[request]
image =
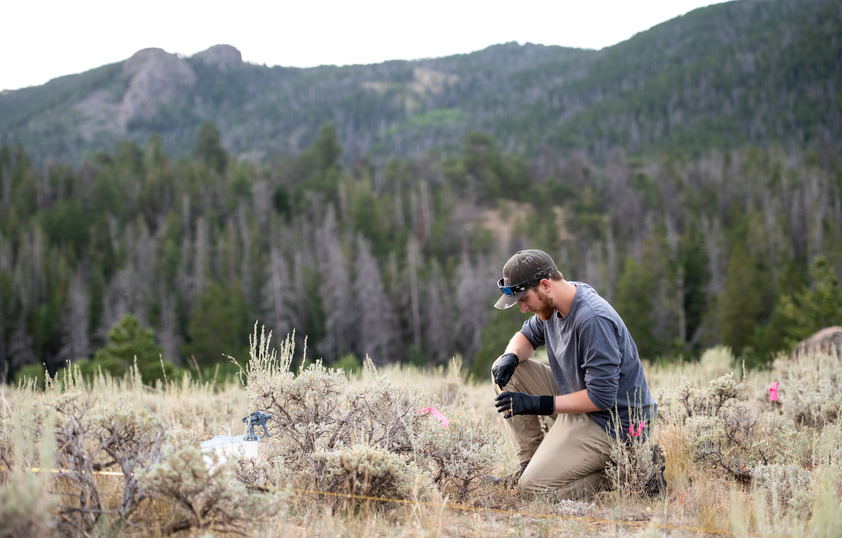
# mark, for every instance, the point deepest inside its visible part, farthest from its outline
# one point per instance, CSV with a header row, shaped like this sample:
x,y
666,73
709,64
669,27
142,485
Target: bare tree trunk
x,y
412,255
378,324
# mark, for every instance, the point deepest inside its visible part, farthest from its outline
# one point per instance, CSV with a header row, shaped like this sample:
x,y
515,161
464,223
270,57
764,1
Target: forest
x,y
135,256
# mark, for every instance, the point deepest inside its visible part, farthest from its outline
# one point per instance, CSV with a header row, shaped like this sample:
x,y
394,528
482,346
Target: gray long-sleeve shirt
x,y
591,348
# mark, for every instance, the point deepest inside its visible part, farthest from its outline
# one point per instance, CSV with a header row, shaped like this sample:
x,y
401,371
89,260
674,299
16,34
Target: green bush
x,y
349,364
35,373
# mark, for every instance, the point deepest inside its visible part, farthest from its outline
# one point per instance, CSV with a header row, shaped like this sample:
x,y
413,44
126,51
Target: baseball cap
x,y
523,270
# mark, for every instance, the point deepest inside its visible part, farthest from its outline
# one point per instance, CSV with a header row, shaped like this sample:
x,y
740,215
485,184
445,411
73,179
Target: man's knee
x,y
535,484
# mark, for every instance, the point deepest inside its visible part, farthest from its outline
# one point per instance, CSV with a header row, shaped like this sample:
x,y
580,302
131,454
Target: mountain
x,y
749,72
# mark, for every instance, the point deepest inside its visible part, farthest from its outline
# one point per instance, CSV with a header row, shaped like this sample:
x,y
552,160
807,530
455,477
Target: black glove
x,y
503,369
519,403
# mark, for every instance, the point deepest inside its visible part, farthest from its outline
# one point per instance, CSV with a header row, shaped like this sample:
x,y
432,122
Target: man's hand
x,y
519,403
503,369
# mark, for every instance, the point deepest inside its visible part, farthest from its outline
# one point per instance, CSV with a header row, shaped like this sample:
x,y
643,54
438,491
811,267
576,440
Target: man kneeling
x,y
594,379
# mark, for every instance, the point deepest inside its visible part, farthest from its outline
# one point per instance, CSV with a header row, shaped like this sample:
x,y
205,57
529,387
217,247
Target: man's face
x,y
537,302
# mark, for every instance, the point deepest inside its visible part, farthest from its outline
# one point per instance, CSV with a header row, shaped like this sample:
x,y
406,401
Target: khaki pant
x,y
568,462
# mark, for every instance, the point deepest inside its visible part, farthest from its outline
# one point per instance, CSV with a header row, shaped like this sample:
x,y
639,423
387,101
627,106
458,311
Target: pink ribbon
x,y
437,414
773,392
639,429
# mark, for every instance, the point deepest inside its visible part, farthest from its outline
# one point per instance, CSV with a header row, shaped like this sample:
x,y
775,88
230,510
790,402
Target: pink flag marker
x,y
639,429
773,392
437,414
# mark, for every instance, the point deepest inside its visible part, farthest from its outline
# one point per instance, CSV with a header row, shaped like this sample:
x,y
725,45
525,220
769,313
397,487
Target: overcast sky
x,y
44,39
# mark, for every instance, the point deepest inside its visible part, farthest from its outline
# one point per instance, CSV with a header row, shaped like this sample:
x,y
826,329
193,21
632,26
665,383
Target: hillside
x,y
741,73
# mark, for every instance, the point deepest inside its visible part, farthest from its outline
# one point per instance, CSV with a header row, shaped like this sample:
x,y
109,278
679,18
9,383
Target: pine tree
x,y
741,304
219,326
633,301
209,150
129,342
695,268
814,307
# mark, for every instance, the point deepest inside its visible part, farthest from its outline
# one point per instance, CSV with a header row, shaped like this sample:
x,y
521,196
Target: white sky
x,y
44,39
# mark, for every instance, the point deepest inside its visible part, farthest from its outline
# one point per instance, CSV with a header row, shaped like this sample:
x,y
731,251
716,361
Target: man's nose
x,y
523,307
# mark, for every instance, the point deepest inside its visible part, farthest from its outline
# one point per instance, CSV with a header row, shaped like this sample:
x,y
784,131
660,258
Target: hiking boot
x,y
509,481
657,485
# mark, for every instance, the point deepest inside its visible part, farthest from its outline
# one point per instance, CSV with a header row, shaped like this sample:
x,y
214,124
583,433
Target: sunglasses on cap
x,y
517,288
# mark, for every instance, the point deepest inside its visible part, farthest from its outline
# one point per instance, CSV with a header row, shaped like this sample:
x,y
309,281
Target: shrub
x,y
381,414
205,496
366,473
94,436
810,389
31,373
632,470
788,488
460,455
349,364
719,428
26,506
318,417
317,411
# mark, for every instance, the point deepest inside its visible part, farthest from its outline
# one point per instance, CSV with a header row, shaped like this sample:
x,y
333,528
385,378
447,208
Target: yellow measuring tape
x,y
57,471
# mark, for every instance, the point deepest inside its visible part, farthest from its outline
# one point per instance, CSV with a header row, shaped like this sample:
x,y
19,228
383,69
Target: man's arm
x,y
575,403
520,346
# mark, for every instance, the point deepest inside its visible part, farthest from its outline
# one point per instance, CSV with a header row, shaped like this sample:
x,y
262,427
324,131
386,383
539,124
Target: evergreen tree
x,y
219,326
11,309
814,307
633,301
129,342
741,304
695,270
209,150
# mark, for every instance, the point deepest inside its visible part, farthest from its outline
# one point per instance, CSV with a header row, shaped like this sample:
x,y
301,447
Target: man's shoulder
x,y
592,306
589,302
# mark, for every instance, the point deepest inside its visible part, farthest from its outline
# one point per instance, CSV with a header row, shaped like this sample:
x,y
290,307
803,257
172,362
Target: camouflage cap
x,y
521,272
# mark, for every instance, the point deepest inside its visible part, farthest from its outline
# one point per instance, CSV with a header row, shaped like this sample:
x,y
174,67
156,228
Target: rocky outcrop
x,y
156,77
827,340
222,56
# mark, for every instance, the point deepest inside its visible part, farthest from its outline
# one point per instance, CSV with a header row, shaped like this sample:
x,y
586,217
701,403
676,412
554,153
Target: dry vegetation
x,y
351,455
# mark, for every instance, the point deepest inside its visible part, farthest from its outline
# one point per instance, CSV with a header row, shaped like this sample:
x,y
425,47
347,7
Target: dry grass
x,y
703,496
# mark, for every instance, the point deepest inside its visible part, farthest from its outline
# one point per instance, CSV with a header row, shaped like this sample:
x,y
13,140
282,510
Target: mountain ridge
x,y
743,72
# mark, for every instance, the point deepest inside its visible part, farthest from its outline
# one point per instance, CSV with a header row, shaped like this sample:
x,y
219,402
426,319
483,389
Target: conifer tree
x,y
633,301
209,150
128,342
741,304
813,307
219,326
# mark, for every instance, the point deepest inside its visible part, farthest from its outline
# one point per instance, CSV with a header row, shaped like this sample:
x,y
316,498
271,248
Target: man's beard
x,y
546,309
